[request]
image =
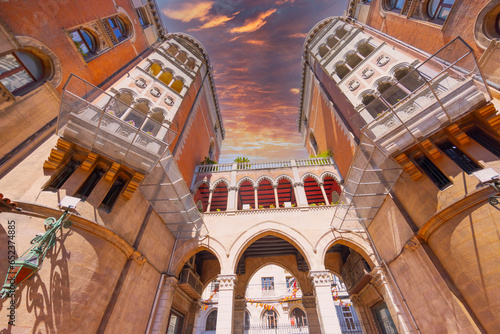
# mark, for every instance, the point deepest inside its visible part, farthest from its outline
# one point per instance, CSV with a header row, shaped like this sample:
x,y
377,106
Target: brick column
x,y
327,313
226,304
160,322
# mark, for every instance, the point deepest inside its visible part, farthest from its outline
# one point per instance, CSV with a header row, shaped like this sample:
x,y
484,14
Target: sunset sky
x,y
255,47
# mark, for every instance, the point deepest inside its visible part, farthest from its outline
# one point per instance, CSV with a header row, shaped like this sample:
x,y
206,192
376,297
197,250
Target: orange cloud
x,y
254,24
295,91
256,42
189,11
298,35
214,21
280,2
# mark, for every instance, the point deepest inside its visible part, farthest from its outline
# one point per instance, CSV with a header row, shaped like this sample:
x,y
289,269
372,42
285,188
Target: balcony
x,y
103,124
439,91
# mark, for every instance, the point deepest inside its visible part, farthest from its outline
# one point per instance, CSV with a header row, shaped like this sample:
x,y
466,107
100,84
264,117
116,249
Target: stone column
x,y
210,200
275,188
357,302
309,303
192,317
256,198
226,304
231,198
327,314
381,282
160,322
321,185
300,194
240,305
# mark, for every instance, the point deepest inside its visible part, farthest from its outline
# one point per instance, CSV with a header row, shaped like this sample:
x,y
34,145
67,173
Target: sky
x,y
255,48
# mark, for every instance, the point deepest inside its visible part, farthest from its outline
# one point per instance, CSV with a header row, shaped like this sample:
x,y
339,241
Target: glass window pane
x,y
8,63
89,40
32,63
80,44
16,80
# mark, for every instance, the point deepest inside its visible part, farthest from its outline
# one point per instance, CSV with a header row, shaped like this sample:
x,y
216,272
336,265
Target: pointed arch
x,y
245,179
308,174
264,177
218,181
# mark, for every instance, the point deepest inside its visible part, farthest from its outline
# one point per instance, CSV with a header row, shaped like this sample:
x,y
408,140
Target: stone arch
x,y
323,50
352,58
191,247
281,230
398,66
354,241
128,22
264,177
284,176
199,183
328,173
341,69
216,183
46,54
309,174
246,179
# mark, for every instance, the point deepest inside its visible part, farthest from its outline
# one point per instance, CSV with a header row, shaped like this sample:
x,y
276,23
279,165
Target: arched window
x,y
439,9
314,194
20,71
173,49
323,50
182,57
120,104
153,125
341,32
395,5
85,41
409,79
373,105
265,194
365,49
246,196
286,193
191,63
353,59
166,77
391,93
155,69
298,318
219,198
341,70
332,41
178,85
211,321
270,319
119,29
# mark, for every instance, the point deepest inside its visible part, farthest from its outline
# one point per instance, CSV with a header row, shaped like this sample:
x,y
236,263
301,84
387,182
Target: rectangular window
x,y
485,141
384,319
431,170
459,157
267,283
175,323
13,74
112,195
63,175
141,14
90,183
289,282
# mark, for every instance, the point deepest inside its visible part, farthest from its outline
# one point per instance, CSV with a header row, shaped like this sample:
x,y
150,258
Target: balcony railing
x,y
99,122
264,165
436,93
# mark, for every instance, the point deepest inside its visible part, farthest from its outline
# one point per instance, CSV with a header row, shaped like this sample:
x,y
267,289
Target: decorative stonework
x,y
298,184
320,278
90,161
413,243
431,149
232,188
138,257
408,166
112,171
353,85
378,277
367,73
240,304
383,60
309,301
226,282
169,285
356,300
133,184
58,154
458,134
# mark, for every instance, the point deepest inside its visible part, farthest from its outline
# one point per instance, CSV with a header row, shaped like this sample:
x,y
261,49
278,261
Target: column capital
x,y
356,300
169,284
321,184
255,187
226,282
240,304
320,278
232,188
309,301
297,184
379,277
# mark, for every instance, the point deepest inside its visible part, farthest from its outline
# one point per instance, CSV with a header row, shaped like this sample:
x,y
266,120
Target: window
x,y
112,195
143,19
431,170
63,175
267,283
85,42
289,281
211,321
439,9
353,59
20,71
270,319
374,105
395,5
459,157
384,319
90,183
247,320
348,317
119,29
342,71
485,141
298,318
175,323
313,142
